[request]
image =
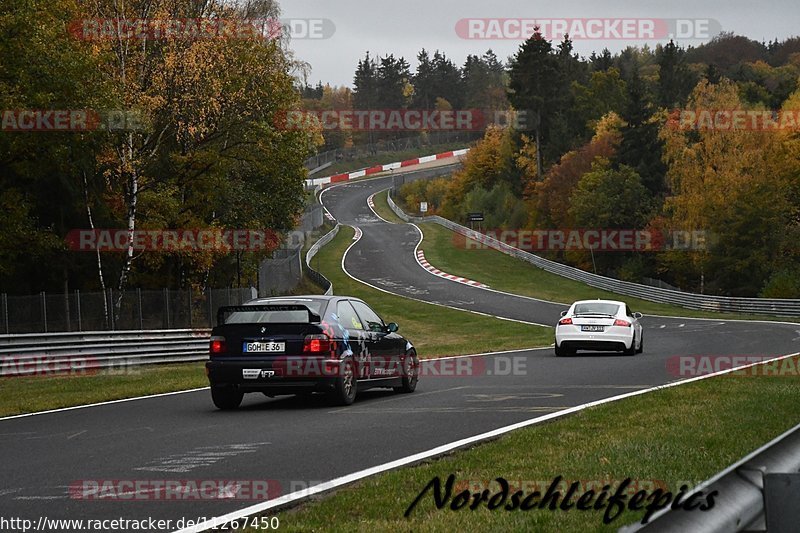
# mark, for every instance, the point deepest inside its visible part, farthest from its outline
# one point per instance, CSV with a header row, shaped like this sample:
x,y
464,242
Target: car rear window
x,y
598,308
276,317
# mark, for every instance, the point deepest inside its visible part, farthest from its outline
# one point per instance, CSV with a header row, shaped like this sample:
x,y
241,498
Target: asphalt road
x,y
294,442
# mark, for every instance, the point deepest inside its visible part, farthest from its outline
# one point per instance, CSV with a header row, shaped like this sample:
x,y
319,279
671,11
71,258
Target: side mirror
x,y
392,327
637,316
563,313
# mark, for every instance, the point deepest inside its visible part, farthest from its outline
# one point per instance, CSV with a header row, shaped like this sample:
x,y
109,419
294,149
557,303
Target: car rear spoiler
x,y
313,318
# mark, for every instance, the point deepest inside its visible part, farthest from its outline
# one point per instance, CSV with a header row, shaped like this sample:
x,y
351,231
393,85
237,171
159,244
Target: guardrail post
x,y
166,308
43,300
66,310
5,311
78,308
210,308
139,305
111,314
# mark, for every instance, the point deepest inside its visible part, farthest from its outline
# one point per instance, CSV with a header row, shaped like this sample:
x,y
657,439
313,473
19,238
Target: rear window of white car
x,y
596,308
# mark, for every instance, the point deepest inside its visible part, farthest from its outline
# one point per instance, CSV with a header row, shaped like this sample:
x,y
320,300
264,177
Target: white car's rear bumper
x,y
613,338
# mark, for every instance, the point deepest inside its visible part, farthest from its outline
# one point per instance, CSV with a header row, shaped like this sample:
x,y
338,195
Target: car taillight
x,y
317,344
622,323
565,322
217,345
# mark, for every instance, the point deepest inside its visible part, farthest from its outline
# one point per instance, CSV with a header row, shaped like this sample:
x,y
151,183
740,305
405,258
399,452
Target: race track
x,y
295,442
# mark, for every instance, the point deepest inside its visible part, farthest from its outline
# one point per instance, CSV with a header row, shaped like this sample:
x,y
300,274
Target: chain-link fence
x,y
97,311
281,273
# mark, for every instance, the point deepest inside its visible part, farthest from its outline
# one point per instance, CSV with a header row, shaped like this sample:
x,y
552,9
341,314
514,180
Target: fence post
x,y
166,308
5,311
189,300
66,309
210,307
139,300
43,300
78,308
111,315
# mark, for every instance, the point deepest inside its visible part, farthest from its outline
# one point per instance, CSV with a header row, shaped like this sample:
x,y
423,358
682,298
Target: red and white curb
x,y
384,168
436,272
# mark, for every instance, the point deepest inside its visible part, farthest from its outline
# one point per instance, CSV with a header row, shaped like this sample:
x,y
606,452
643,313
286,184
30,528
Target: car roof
x,y
317,297
599,301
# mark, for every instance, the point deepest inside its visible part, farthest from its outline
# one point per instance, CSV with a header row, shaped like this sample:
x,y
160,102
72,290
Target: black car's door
x,y
359,340
387,348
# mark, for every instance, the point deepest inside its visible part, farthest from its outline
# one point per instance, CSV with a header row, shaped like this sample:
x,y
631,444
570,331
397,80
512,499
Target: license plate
x,y
592,328
264,347
255,373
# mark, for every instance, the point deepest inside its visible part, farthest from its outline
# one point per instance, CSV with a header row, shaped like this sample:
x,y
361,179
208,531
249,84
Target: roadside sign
x,y
475,217
423,207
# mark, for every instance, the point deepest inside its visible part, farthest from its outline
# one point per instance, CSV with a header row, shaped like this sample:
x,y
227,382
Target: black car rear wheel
x,y
410,373
226,398
346,386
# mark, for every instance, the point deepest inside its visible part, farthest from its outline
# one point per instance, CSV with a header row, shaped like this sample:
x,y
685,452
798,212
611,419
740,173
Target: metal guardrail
x,y
78,352
318,278
742,498
700,302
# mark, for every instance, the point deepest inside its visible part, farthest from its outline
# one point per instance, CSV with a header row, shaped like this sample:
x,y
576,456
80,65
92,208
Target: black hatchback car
x,y
306,344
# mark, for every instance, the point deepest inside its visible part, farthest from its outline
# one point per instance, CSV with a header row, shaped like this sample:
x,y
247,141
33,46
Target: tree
x,y
605,92
734,184
674,78
641,147
535,87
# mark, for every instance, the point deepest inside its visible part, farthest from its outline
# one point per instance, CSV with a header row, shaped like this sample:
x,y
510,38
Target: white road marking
x,y
306,493
200,457
62,409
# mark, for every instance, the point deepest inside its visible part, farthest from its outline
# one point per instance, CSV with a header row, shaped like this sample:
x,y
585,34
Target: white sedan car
x,y
599,325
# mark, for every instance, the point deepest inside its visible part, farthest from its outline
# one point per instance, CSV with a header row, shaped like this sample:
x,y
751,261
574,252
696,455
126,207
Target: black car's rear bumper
x,y
274,377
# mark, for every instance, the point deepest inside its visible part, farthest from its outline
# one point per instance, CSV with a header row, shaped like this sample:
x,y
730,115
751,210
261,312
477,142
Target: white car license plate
x,y
593,328
264,347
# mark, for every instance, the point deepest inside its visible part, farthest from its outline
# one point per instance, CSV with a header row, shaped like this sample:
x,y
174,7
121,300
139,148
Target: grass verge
x,y
383,209
20,395
434,330
661,439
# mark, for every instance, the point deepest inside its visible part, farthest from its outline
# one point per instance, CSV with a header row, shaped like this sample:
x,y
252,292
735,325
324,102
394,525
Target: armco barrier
x,y
317,182
318,278
701,302
45,353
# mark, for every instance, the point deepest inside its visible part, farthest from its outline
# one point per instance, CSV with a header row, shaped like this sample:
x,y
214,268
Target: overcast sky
x,y
403,27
